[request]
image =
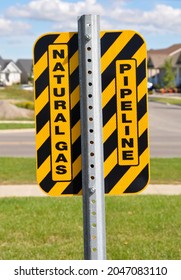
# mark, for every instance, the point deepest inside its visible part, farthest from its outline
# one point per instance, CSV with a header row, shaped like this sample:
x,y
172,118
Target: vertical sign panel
x,y
127,125
125,116
60,113
57,111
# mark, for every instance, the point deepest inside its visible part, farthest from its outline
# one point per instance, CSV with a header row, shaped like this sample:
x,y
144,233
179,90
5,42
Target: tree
x,y
169,74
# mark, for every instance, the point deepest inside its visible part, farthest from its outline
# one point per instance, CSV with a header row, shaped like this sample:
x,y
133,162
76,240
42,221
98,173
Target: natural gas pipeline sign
x,y
124,107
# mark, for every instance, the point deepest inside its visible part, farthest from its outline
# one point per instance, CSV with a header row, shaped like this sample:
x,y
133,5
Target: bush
x,y
26,105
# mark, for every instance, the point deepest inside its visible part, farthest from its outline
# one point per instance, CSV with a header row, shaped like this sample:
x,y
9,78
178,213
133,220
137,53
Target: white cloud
x,y
63,13
39,16
55,10
11,28
163,19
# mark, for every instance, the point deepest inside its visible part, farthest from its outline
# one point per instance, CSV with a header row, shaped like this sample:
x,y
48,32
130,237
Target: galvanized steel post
x,y
91,137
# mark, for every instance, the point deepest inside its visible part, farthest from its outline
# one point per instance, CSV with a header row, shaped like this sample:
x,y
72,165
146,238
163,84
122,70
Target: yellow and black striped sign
x,y
125,116
57,111
124,105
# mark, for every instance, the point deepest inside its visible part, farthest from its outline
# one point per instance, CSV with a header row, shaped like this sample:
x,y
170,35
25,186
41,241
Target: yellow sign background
x,y
116,47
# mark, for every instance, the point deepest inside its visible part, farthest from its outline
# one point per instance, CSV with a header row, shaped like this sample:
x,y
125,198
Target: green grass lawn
x,y
16,93
17,170
137,227
174,101
22,170
165,170
19,125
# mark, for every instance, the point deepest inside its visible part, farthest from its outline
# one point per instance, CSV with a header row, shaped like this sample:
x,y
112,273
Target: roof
x,y
166,51
156,58
25,65
4,62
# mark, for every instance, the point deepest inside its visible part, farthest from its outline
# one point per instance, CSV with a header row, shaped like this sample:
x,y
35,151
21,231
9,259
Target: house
x,y
156,60
9,72
26,67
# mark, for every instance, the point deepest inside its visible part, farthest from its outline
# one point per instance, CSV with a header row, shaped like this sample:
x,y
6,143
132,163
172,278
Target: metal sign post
x,y
91,131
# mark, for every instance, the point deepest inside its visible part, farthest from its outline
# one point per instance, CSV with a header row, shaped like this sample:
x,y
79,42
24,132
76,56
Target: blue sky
x,y
23,21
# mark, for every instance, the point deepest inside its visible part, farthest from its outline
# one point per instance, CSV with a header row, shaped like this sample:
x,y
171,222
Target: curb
x,y
35,190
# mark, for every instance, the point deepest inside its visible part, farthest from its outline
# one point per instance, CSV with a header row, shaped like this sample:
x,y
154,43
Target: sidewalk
x,y
34,190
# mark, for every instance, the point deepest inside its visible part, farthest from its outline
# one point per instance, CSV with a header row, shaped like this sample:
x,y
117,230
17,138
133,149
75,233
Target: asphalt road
x,y
17,143
164,128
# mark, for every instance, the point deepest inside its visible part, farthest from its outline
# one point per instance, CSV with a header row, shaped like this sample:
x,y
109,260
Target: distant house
x,y
26,66
156,60
9,72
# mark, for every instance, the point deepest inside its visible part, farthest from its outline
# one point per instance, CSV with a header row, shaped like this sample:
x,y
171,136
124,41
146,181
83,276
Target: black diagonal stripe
x,y
72,45
75,114
42,82
142,107
109,110
43,117
131,48
126,53
141,72
143,142
47,184
76,149
107,40
75,186
44,151
74,80
108,75
114,176
42,45
110,145
72,48
140,182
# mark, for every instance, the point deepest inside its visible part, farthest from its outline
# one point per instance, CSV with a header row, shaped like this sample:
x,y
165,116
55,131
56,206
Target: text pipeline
x,y
127,124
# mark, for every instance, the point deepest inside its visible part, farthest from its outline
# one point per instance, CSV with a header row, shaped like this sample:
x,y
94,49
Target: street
x,y
164,131
17,143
